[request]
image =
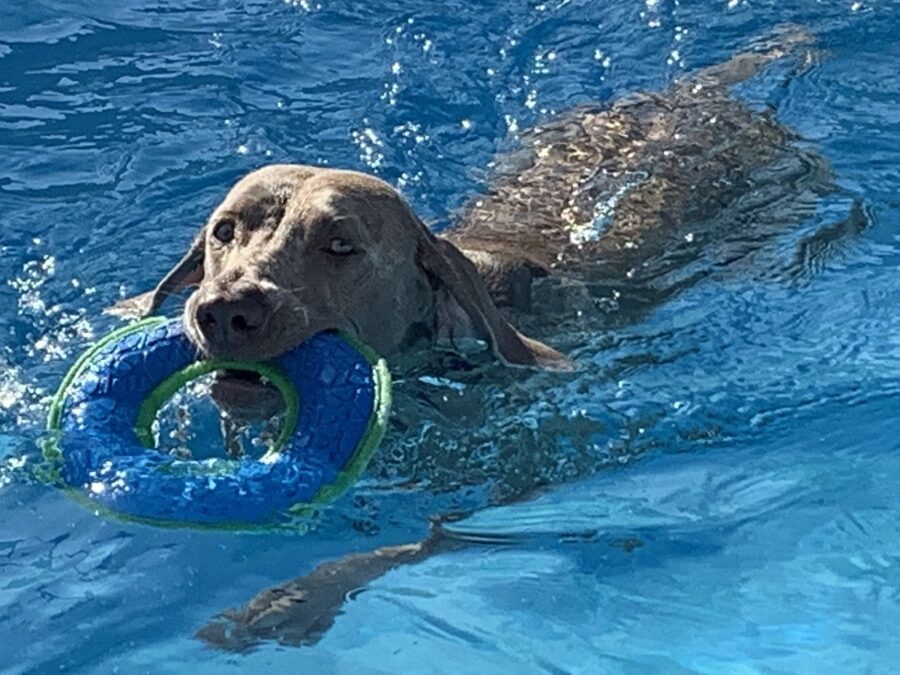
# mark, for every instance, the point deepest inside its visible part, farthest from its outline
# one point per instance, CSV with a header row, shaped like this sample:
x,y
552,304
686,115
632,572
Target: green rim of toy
x,y
358,461
375,430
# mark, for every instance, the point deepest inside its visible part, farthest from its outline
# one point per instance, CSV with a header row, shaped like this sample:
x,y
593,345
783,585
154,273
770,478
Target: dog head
x,y
296,250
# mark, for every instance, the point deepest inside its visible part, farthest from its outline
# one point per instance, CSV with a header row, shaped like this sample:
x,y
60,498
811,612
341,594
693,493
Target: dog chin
x,y
245,396
241,394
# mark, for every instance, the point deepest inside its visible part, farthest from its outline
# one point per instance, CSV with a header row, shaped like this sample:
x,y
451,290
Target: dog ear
x,y
188,272
456,274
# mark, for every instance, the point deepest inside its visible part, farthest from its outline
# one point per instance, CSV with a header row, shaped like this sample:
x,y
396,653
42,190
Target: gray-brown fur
x,y
677,169
295,250
661,166
301,611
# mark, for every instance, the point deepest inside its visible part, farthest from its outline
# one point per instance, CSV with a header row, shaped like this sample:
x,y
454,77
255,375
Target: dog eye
x,y
339,246
224,231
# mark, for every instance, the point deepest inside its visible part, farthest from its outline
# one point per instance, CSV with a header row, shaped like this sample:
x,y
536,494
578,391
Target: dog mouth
x,y
246,396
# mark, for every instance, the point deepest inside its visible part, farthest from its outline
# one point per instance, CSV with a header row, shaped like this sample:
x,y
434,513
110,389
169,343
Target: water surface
x,y
725,468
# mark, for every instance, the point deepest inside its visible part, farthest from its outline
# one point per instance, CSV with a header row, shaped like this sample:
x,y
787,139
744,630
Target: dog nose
x,y
233,319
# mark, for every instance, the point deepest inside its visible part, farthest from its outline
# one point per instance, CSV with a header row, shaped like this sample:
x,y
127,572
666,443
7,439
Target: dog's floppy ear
x,y
188,272
451,269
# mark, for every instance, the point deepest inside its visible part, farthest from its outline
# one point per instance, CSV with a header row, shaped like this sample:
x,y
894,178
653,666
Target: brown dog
x,y
625,204
296,250
590,199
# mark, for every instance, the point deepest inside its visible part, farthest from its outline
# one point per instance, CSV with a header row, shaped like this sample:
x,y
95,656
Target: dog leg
x,y
300,611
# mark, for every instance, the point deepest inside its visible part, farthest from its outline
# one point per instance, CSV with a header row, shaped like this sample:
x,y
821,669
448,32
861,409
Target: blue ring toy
x,y
337,394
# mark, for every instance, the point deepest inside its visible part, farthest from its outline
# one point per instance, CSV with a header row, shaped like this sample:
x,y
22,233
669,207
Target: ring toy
x,y
337,396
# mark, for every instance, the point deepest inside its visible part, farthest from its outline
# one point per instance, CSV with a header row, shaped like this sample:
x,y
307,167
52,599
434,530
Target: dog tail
x,y
789,40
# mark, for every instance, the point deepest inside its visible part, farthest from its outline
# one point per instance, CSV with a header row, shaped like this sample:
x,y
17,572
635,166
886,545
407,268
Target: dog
x,y
622,203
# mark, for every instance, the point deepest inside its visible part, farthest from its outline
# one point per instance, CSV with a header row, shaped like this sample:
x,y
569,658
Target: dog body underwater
x,y
616,206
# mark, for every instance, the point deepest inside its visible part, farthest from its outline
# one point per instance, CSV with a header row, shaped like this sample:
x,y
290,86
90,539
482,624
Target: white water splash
x,y
23,402
57,327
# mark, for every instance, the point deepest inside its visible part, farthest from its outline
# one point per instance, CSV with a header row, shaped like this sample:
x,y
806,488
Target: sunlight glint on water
x,y
726,465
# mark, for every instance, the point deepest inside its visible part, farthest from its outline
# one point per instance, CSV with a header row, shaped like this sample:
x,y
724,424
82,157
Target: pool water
x,y
718,482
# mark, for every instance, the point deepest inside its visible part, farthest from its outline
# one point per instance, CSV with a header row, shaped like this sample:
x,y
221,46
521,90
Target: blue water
x,y
724,470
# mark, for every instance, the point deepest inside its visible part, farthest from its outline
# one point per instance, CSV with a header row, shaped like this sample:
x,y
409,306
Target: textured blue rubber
x,y
344,395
